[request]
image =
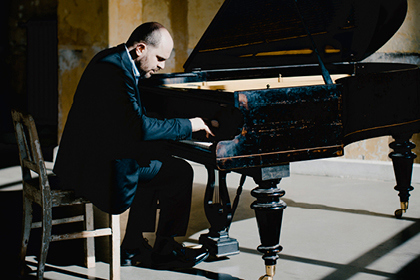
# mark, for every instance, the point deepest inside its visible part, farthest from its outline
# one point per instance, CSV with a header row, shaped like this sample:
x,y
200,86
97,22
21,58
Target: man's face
x,y
152,59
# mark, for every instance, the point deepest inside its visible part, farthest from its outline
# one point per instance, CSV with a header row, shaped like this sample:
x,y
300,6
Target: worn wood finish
x,y
82,234
115,261
89,241
74,219
299,120
37,189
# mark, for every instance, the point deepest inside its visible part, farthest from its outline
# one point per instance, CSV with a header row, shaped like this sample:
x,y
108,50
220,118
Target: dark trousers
x,y
171,189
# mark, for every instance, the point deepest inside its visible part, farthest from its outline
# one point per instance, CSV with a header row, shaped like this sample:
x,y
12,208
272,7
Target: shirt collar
x,y
135,70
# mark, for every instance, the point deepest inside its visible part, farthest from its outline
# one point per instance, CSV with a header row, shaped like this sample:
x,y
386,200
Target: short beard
x,y
142,74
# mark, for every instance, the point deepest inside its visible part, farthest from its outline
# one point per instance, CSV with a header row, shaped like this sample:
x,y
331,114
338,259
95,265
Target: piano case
x,y
280,81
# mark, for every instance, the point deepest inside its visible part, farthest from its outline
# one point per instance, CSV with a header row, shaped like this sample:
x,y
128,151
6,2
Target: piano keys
x,y
282,81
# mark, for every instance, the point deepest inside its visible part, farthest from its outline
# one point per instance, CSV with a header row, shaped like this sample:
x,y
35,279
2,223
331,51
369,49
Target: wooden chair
x,y
38,187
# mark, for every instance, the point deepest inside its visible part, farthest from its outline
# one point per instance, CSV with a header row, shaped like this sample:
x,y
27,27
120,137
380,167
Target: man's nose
x,y
161,65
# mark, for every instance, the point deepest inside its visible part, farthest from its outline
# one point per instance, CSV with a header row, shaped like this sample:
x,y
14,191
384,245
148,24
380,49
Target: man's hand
x,y
198,124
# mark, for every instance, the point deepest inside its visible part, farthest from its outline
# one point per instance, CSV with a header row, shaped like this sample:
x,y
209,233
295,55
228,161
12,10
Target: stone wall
x,y
82,32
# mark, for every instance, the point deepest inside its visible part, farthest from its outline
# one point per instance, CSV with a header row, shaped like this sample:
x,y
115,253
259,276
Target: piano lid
x,y
262,33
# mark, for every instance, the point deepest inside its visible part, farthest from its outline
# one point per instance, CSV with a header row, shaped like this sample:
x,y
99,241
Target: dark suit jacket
x,y
107,123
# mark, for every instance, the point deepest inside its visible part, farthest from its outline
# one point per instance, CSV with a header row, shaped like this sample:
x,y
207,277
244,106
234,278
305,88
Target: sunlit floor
x,y
333,228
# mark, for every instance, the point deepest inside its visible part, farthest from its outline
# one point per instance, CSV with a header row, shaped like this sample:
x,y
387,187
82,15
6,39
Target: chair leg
x,y
90,260
115,240
45,240
26,231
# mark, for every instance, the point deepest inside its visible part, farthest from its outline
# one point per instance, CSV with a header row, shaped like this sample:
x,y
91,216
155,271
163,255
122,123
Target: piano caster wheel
x,y
265,277
398,213
270,270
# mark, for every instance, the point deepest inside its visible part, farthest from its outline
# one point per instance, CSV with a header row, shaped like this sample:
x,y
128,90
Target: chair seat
x,y
66,197
59,197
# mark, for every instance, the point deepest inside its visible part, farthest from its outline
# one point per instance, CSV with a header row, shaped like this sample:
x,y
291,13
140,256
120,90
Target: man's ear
x,y
140,49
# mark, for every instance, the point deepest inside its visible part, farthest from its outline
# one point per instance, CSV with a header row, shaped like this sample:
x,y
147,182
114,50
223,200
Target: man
x,y
111,152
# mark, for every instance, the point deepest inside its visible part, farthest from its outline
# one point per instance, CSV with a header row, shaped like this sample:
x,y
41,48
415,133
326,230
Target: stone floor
x,y
333,228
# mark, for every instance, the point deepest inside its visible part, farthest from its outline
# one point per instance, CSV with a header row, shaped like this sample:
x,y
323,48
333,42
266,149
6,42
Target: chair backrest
x,y
30,153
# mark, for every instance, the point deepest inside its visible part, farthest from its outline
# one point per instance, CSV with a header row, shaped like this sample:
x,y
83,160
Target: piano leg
x,y
402,159
269,214
219,213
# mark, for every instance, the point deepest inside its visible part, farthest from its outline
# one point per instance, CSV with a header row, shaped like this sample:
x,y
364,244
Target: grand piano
x,y
280,81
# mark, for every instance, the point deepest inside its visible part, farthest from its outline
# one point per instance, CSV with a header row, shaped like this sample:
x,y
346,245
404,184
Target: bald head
x,y
165,40
150,33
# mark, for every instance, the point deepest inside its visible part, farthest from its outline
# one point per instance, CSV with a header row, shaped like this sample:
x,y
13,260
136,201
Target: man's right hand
x,y
198,124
